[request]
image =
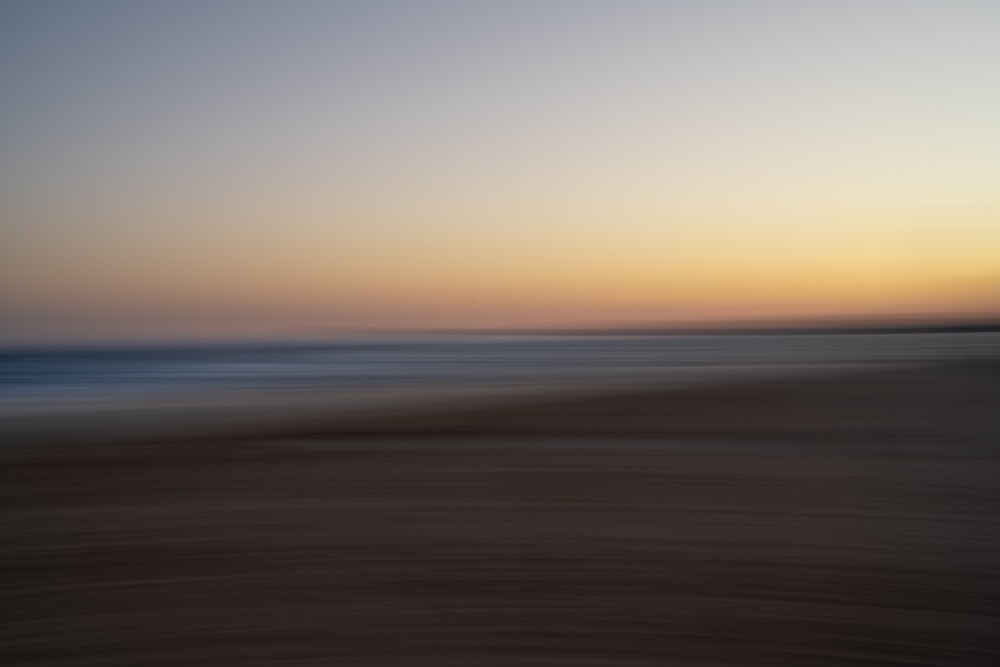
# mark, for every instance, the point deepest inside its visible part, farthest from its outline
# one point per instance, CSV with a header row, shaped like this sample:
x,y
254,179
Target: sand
x,y
846,520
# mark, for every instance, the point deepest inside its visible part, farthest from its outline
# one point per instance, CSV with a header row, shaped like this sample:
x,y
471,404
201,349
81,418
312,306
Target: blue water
x,y
59,374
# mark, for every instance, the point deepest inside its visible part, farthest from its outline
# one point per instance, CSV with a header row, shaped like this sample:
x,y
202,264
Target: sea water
x,y
63,375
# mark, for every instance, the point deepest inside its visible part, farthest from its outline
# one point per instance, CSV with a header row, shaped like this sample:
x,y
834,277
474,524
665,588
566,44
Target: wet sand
x,y
848,520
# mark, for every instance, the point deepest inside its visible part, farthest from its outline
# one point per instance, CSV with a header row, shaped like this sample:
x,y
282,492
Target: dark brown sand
x,y
840,521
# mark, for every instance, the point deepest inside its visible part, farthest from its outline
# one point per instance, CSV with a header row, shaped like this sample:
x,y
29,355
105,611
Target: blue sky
x,y
232,168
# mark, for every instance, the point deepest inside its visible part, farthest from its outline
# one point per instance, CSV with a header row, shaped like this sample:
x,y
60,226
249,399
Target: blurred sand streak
x,y
842,520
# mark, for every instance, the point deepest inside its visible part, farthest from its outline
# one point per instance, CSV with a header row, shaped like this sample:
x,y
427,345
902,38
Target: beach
x,y
827,519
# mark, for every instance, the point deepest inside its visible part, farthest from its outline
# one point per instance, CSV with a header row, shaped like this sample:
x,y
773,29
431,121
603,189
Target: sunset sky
x,y
248,168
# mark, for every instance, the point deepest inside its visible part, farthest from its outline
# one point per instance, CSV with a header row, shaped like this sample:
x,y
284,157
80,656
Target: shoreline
x,y
234,413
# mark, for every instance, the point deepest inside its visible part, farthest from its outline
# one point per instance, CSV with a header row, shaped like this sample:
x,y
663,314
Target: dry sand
x,y
833,521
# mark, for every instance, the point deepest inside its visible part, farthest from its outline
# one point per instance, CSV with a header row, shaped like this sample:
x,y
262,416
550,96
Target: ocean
x,y
53,376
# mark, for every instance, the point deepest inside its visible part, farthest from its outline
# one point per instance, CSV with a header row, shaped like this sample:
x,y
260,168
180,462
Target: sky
x,y
252,168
